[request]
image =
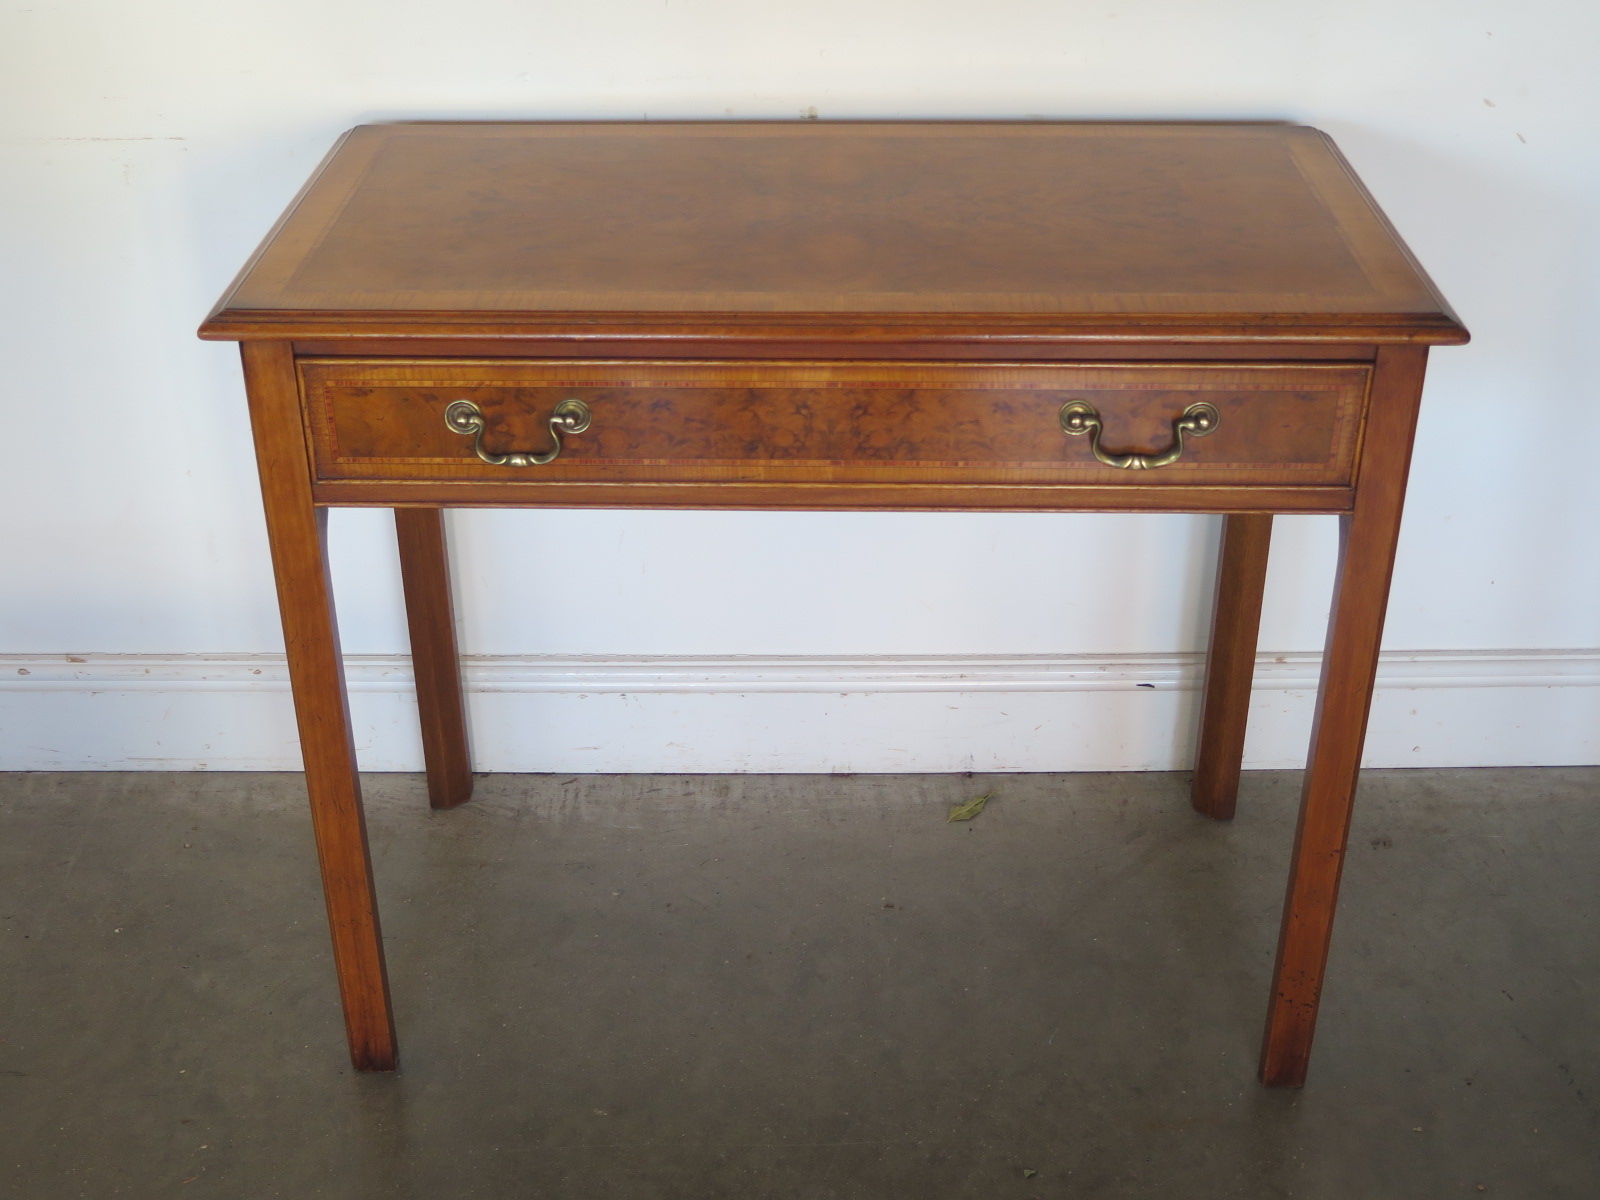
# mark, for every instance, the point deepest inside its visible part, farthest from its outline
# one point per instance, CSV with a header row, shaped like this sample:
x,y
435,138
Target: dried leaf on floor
x,y
965,812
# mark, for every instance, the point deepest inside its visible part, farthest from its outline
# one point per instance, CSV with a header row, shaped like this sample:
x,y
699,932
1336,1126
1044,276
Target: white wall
x,y
146,147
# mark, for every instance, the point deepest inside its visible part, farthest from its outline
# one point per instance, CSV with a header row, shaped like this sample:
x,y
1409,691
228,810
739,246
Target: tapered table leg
x,y
1366,559
298,534
1231,662
425,575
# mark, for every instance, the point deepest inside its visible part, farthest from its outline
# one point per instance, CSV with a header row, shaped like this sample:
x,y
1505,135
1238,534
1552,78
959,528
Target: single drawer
x,y
1087,425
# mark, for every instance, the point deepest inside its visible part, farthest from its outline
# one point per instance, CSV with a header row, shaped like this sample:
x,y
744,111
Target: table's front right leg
x,y
1368,537
297,530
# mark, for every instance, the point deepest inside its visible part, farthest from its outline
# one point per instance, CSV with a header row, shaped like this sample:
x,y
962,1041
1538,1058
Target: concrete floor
x,y
771,987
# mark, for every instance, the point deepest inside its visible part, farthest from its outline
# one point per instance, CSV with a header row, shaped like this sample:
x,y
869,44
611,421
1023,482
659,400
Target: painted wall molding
x,y
792,714
743,674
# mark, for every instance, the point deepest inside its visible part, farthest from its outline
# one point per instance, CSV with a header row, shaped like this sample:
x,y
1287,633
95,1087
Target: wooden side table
x,y
1072,317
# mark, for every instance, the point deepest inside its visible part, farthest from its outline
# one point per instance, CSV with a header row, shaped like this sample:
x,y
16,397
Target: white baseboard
x,y
998,713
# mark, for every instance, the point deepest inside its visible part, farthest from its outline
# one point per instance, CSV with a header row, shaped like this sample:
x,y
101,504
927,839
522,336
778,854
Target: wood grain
x,y
298,535
1231,662
1368,537
430,617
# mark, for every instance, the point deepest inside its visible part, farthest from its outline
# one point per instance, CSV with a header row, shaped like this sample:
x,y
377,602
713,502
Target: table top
x,y
948,229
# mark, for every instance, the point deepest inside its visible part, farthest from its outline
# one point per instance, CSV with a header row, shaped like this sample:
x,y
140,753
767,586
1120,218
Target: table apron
x,y
852,497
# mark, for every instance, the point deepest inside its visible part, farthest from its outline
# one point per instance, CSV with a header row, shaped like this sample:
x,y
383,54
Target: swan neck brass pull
x,y
465,417
1079,417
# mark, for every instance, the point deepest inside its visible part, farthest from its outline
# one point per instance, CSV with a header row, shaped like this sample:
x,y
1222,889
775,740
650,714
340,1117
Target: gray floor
x,y
754,986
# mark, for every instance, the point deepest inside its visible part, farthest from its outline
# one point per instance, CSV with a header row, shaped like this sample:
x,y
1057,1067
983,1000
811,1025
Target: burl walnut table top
x,y
1255,232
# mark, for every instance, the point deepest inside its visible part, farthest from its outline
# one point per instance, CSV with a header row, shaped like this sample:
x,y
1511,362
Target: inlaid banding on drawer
x,y
839,423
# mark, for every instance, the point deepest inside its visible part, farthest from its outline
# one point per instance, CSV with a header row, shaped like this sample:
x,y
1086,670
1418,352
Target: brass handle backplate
x,y
465,417
1079,417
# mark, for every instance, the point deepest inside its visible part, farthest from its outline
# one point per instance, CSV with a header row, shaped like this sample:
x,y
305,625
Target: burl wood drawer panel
x,y
811,422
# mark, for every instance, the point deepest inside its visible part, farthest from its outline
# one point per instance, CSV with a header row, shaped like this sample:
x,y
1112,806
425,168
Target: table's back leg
x,y
1231,662
425,575
1349,666
298,534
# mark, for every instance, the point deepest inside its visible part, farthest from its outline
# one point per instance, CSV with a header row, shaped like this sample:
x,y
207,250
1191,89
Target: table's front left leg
x,y
425,575
1368,537
297,530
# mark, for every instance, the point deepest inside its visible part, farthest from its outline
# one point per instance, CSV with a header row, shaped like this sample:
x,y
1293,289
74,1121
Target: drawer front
x,y
791,422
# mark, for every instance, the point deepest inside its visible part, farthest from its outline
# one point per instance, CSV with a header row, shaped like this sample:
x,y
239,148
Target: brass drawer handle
x,y
465,417
1079,417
